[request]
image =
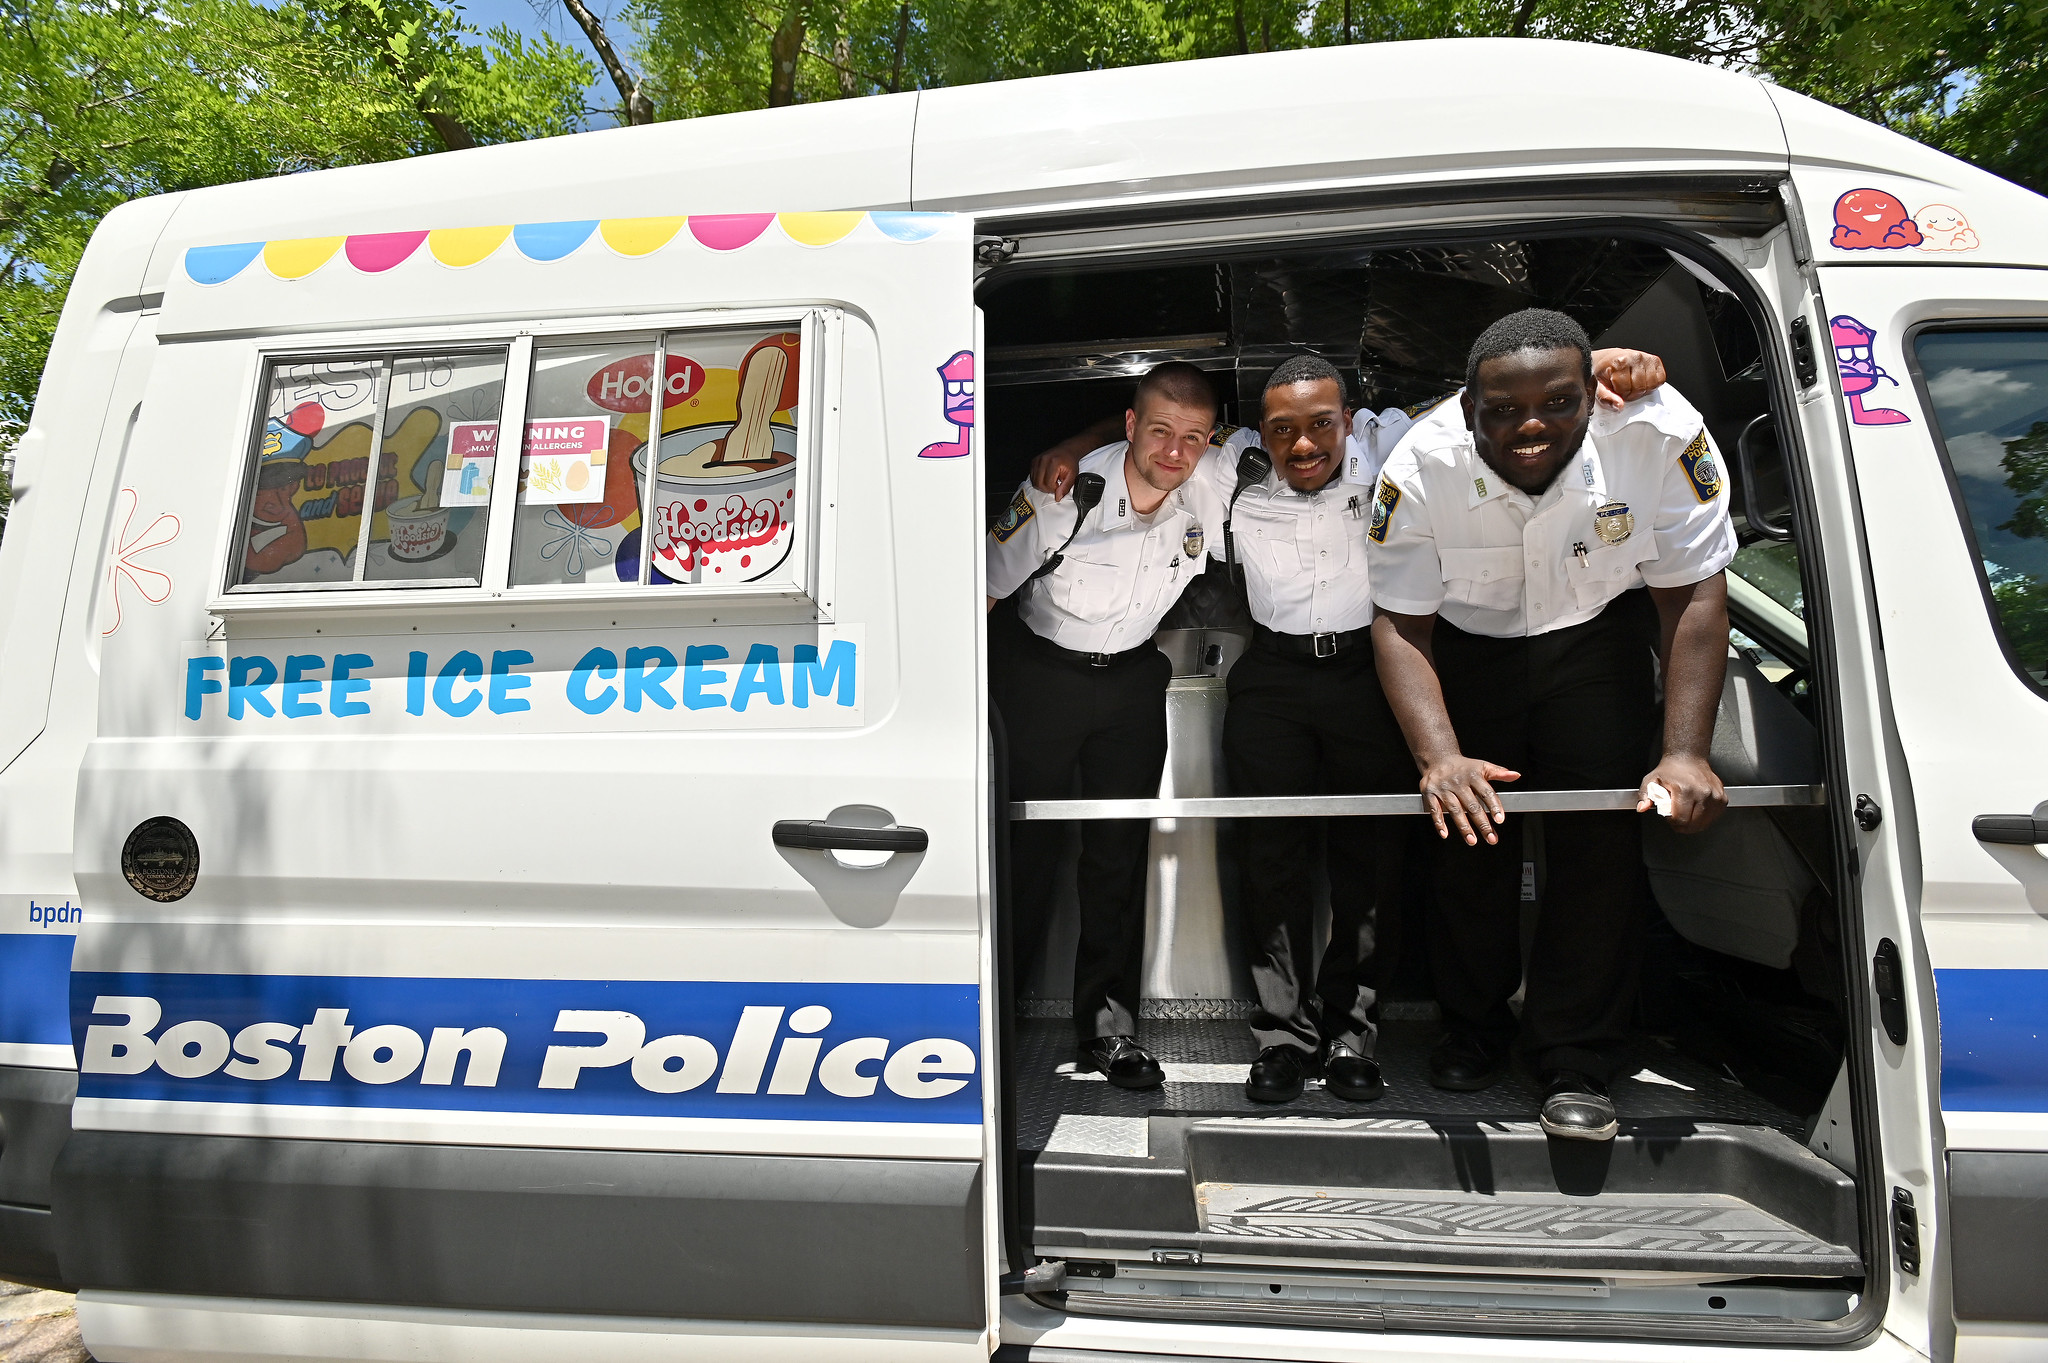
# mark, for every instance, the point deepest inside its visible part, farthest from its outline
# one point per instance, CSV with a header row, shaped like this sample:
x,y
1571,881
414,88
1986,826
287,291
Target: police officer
x,y
1532,559
1307,715
1081,686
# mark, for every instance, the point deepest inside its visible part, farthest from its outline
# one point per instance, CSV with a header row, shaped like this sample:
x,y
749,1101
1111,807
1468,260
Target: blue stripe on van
x,y
811,1052
1994,1040
35,979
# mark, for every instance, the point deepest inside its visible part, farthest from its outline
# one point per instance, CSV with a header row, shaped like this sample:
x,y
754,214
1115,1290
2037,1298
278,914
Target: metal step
x,y
1698,1232
1667,1196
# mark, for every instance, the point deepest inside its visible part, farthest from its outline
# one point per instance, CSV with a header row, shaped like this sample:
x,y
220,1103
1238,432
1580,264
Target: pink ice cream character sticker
x,y
957,377
1857,362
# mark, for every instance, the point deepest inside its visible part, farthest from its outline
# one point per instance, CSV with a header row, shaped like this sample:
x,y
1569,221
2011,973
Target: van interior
x,y
1729,1205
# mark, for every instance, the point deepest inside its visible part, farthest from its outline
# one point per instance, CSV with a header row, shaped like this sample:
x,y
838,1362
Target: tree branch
x,y
633,100
1520,27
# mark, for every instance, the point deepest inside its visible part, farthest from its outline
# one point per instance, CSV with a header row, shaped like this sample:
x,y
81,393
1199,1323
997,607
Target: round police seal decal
x,y
161,859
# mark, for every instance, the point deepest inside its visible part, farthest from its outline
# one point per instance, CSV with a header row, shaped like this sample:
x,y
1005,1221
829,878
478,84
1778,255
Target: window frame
x,y
1948,469
809,583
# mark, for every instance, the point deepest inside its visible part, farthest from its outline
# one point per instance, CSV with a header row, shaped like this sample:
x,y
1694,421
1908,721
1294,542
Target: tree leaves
x,y
102,101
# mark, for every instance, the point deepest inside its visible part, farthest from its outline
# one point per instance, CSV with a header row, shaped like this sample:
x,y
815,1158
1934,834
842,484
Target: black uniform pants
x,y
1315,726
1060,715
1571,710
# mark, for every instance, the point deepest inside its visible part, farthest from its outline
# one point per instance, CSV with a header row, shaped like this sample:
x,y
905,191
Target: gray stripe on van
x,y
747,1237
1998,1237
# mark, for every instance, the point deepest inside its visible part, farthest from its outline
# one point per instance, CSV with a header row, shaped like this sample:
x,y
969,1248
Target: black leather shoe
x,y
1353,1077
1276,1076
1122,1061
1576,1107
1463,1063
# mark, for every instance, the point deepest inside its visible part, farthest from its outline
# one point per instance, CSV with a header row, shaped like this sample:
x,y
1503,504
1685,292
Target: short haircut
x,y
1529,329
1179,382
1308,369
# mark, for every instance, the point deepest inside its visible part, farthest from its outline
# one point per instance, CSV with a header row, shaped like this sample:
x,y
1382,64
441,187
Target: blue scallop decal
x,y
219,264
908,226
551,240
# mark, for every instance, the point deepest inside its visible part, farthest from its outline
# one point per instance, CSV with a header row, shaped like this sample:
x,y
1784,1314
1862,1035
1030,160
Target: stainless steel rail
x,y
1323,806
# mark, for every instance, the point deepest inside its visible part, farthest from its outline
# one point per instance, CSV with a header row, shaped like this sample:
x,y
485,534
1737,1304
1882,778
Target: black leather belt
x,y
1310,645
1080,659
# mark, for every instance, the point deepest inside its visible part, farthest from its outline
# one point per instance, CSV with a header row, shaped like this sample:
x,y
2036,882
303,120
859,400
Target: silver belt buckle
x,y
1098,660
1325,645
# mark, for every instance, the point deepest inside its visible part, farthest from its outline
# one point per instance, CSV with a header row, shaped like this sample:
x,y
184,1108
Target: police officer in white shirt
x,y
1080,685
1307,716
1510,534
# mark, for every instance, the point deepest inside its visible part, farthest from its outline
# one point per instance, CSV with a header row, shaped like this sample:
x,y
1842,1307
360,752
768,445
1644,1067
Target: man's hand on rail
x,y
1697,795
1462,788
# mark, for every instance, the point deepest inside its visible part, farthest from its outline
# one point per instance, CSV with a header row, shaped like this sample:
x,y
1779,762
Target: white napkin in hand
x,y
1660,798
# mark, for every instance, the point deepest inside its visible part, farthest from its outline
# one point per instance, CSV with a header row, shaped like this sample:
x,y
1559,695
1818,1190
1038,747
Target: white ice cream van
x,y
500,825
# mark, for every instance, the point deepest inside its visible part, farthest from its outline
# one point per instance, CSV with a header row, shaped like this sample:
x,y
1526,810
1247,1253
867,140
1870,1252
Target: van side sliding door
x,y
534,856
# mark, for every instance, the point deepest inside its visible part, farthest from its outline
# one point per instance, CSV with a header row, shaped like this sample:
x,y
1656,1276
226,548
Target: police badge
x,y
1613,522
1191,542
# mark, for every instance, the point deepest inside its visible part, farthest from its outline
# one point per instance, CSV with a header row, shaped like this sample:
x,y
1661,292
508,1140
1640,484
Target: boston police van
x,y
500,825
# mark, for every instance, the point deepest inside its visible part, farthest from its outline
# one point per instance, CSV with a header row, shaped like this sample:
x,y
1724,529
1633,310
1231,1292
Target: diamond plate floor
x,y
1205,1061
1699,1227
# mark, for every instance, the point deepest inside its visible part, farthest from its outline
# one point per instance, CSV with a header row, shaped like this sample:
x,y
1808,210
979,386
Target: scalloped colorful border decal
x,y
545,242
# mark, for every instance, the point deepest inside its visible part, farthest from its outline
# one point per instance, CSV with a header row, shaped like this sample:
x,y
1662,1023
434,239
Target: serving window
x,y
677,458
351,482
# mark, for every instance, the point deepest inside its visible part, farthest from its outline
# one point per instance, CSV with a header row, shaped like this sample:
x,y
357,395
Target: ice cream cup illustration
x,y
416,533
720,522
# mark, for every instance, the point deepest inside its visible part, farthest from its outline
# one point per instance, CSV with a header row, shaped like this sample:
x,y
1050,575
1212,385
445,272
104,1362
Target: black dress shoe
x,y
1576,1107
1353,1077
1122,1061
1276,1076
1463,1063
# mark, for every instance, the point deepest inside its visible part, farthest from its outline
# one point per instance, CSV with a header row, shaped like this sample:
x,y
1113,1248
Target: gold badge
x,y
1479,486
1614,522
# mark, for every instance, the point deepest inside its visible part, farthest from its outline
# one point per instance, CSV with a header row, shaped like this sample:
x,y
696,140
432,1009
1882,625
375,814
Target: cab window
x,y
1988,392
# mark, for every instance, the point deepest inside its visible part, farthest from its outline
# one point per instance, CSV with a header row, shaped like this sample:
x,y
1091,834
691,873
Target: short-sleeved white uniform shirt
x,y
1121,574
1304,552
1643,502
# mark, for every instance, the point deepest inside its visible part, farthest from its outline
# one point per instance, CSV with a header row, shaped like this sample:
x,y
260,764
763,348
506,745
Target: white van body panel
x,y
1292,123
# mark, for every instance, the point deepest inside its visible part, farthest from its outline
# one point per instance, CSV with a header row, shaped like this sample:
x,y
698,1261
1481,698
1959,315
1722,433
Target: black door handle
x,y
2021,830
818,836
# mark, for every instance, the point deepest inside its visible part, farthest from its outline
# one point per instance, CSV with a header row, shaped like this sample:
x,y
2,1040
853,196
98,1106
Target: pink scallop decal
x,y
728,231
376,252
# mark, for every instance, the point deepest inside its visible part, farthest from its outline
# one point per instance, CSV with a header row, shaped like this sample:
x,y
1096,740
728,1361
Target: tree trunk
x,y
450,130
634,104
842,52
902,42
1244,42
783,50
1522,18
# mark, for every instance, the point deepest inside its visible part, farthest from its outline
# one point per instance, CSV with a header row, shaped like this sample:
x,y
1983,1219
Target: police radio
x,y
1087,493
1252,467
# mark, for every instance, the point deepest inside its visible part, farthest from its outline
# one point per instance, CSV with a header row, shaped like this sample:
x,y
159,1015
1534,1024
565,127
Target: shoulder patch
x,y
1015,516
1422,409
1221,435
1702,471
1383,503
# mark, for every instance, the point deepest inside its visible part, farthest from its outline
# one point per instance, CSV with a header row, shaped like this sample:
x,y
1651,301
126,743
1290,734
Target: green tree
x,y
103,101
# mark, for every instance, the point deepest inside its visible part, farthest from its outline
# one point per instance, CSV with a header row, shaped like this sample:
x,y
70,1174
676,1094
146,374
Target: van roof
x,y
1377,115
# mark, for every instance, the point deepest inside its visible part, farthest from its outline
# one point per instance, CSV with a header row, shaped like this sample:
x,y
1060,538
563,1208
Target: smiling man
x,y
1533,557
1081,687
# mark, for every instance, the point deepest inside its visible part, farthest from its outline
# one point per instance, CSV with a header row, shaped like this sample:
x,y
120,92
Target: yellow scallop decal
x,y
638,236
460,246
818,229
300,257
